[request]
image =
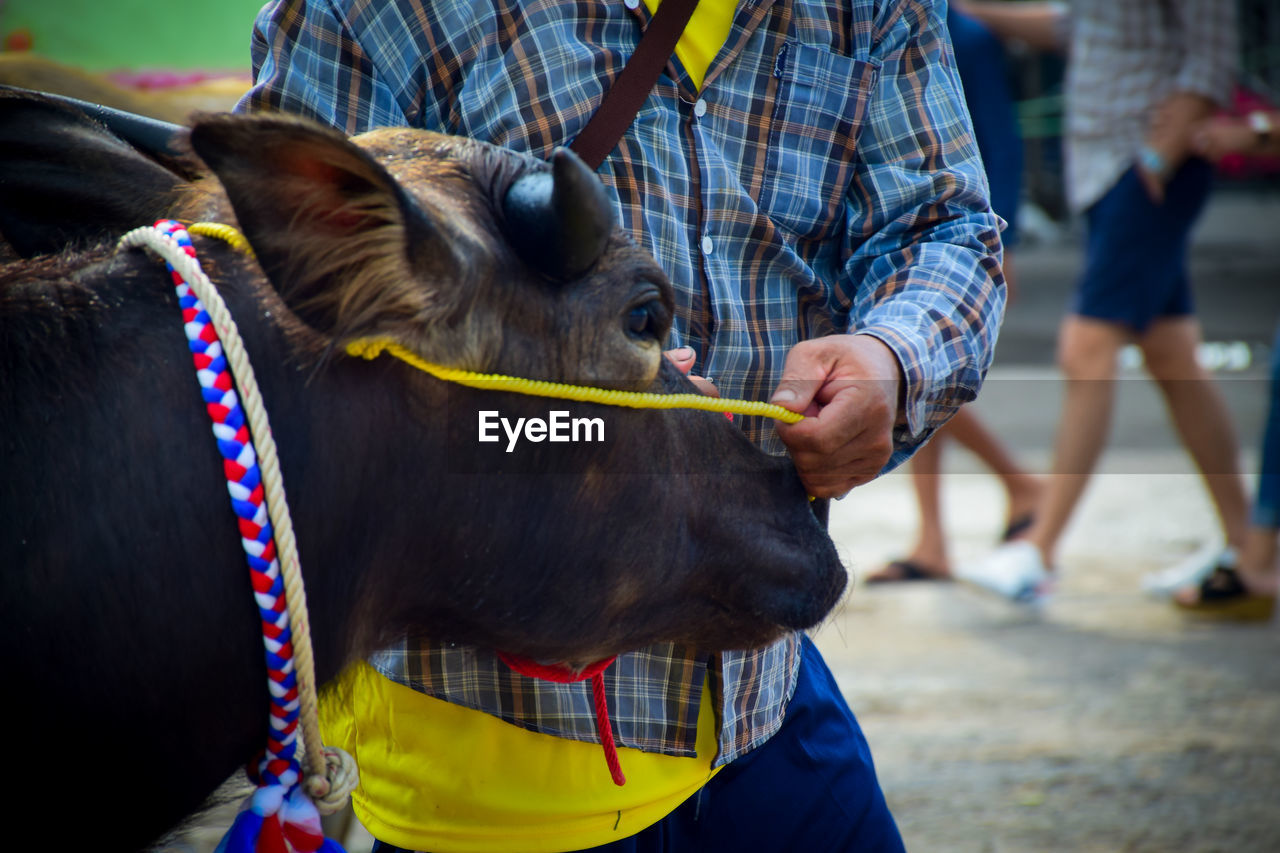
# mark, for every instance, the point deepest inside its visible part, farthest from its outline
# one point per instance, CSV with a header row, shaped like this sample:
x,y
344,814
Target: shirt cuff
x,y
911,362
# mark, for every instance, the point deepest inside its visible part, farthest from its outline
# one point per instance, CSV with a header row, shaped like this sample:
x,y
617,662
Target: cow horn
x,y
559,220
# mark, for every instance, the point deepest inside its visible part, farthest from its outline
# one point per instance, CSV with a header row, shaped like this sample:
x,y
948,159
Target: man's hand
x,y
847,386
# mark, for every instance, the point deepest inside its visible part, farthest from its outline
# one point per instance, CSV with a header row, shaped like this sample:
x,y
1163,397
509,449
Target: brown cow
x,y
126,620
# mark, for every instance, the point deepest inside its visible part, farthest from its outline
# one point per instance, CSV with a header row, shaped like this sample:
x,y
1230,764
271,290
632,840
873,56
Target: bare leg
x,y
1087,351
1201,418
930,551
926,476
1022,489
1260,561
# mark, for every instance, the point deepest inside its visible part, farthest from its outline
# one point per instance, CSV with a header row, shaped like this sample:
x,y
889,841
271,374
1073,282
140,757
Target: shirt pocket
x,y
819,111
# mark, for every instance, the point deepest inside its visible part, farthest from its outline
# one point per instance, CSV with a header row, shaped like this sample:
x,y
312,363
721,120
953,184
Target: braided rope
x,y
252,476
371,348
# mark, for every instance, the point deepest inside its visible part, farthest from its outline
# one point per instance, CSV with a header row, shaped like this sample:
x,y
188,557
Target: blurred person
x,y
1140,76
1247,590
984,76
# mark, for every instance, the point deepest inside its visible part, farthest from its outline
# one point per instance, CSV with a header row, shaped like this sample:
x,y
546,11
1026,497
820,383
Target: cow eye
x,y
643,320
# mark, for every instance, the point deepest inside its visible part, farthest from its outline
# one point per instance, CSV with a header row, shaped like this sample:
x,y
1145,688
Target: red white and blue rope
x,y
280,816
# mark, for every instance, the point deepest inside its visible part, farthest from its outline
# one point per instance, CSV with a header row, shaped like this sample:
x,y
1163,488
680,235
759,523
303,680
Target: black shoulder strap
x,y
625,96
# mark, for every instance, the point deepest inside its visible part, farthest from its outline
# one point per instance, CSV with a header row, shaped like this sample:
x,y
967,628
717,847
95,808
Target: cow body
x,y
126,619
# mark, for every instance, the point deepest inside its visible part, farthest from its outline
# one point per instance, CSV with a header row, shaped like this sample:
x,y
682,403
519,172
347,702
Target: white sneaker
x,y
1191,570
1015,570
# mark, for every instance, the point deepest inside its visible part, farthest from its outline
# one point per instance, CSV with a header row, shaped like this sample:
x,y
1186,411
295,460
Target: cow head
x,y
473,257
674,528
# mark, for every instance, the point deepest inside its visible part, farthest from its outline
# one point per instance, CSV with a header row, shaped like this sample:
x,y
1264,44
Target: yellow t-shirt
x,y
437,776
703,36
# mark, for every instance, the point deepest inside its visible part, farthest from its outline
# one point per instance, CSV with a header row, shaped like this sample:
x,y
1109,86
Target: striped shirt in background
x,y
823,179
1126,56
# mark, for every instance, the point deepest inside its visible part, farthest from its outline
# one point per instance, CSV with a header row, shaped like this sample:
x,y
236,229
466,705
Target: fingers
x,y
847,388
803,375
683,358
704,385
847,444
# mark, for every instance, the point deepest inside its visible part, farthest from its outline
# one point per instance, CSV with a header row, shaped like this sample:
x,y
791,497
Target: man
x,y
1141,76
806,174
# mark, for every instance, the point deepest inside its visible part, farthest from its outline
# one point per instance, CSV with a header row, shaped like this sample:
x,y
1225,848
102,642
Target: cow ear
x,y
66,179
327,222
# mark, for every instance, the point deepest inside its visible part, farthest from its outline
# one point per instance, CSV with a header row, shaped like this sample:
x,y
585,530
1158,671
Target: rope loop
x,y
331,791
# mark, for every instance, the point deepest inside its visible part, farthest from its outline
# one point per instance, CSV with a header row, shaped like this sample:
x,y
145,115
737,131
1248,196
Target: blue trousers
x,y
1266,507
811,787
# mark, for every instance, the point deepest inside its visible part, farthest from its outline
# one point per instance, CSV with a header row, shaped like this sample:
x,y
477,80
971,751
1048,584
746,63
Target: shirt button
x,y
700,107
631,4
707,245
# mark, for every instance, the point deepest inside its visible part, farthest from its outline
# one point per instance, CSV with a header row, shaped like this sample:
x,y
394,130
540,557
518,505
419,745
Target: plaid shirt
x,y
824,180
1126,57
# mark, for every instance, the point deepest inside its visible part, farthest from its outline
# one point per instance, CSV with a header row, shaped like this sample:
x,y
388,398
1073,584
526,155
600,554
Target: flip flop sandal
x,y
905,571
1224,595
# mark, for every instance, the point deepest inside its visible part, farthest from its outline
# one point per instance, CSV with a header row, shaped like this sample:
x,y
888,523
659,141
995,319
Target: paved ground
x,y
1108,722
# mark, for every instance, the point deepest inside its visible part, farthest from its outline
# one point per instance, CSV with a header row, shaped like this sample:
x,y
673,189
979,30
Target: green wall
x,y
109,35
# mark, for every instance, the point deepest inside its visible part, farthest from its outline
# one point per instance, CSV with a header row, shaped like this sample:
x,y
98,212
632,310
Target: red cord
x,y
606,730
562,674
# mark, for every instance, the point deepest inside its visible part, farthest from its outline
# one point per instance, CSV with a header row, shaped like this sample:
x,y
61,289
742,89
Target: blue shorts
x,y
1135,269
810,787
984,74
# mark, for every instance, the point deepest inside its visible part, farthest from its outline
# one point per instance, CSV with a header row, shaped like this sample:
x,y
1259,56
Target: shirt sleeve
x,y
308,61
925,247
1209,63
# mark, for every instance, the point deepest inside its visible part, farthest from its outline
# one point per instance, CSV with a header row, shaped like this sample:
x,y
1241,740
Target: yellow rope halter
x,y
371,348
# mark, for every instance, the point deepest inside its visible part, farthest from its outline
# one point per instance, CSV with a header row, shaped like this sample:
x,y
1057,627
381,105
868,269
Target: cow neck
x,y
282,807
